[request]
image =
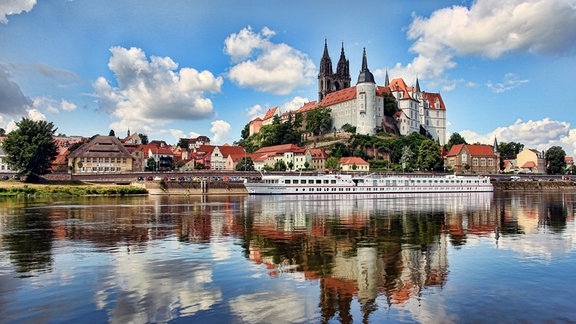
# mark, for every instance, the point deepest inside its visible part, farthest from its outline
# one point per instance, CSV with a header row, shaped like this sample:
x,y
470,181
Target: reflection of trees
x,y
28,239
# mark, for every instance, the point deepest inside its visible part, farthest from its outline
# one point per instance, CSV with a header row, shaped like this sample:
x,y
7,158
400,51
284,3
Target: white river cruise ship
x,y
372,183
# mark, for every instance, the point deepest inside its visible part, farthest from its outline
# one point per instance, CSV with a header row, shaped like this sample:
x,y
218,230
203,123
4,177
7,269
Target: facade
x,y
467,158
530,161
353,164
4,167
103,154
226,157
290,154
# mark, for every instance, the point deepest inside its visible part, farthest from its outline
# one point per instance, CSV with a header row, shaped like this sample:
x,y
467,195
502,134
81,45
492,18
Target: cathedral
x,y
362,105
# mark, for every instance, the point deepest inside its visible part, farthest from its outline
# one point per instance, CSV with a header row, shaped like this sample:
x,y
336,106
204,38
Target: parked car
x,y
140,178
5,177
149,178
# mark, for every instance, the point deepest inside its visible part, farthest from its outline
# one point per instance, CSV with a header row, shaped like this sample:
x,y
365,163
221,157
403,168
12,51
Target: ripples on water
x,y
298,259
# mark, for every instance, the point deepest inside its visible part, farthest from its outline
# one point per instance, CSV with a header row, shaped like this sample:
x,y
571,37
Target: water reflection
x,y
269,258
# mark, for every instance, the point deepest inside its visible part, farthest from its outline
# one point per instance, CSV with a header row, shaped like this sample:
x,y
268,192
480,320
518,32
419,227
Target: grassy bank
x,y
66,188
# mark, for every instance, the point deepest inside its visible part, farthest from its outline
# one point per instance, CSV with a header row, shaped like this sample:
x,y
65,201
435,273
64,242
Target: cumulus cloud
x,y
12,101
510,82
266,66
489,28
221,131
294,104
152,92
255,111
14,7
53,105
538,134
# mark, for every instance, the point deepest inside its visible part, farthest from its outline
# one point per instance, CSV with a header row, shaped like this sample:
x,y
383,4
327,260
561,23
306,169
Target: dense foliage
x,y
318,121
556,158
30,149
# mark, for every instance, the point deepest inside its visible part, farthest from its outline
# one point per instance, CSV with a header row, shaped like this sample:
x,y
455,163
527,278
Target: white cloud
x,y
221,131
255,111
295,104
539,135
266,66
52,105
152,93
14,7
510,82
489,28
36,115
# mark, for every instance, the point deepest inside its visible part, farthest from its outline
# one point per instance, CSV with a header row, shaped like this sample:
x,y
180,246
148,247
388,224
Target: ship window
x,y
325,181
333,181
310,181
287,181
318,181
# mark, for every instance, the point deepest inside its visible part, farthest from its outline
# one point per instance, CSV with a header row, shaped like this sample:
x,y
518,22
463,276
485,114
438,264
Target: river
x,y
452,258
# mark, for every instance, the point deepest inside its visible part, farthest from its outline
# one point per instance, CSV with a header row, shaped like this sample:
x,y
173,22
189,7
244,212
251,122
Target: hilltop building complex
x,y
362,105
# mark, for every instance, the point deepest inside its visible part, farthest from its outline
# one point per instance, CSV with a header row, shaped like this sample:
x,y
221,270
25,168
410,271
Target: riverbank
x,y
67,188
534,185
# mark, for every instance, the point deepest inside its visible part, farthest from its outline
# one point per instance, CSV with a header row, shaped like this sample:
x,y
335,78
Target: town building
x,y
353,164
530,161
472,158
103,154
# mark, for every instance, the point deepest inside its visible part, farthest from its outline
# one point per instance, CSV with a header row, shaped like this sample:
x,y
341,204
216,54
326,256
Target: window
x,y
475,161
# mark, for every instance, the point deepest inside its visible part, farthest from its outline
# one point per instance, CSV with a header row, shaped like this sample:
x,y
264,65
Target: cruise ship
x,y
363,184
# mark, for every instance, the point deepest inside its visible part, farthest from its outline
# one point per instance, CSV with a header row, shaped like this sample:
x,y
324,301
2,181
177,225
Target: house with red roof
x,y
531,161
472,158
226,157
290,154
353,164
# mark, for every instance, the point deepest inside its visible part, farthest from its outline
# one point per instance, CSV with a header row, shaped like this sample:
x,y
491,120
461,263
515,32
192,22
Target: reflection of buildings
x,y
368,245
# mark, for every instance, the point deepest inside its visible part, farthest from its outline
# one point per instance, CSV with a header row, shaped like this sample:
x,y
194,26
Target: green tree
x,y
390,105
143,138
349,128
111,133
332,163
455,139
30,149
246,164
183,143
280,165
150,164
318,121
509,150
429,156
406,157
2,132
556,160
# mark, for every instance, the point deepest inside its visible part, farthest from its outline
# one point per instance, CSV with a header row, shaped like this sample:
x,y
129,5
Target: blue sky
x,y
184,68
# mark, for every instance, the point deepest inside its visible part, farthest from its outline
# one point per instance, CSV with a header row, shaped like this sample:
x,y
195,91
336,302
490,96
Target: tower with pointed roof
x,y
366,104
328,81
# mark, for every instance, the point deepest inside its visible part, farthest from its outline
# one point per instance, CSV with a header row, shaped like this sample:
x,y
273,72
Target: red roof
x,y
307,107
529,165
352,160
270,113
434,98
474,149
338,96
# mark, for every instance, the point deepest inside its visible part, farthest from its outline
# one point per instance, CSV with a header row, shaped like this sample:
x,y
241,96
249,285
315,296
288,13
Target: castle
x,y
362,105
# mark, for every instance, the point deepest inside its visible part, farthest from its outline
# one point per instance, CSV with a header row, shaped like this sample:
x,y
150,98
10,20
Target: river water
x,y
451,258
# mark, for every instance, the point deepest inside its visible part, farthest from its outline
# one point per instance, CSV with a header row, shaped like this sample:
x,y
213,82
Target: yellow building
x,y
103,154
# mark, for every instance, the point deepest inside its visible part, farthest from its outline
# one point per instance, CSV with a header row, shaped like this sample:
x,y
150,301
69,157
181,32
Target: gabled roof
x,y
307,107
474,149
398,84
432,99
279,149
352,160
227,150
270,113
102,146
318,153
529,165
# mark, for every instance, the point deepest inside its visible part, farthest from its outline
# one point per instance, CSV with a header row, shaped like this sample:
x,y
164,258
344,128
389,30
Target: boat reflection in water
x,y
361,246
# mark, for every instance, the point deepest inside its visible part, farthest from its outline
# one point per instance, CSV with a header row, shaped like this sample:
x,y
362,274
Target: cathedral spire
x,y
365,74
417,85
325,62
386,79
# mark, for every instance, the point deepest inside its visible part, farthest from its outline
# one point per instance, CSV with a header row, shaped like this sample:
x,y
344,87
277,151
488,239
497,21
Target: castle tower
x,y
366,100
342,77
325,76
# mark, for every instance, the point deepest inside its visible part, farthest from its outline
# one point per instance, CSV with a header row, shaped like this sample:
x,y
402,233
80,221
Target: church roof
x,y
338,96
307,107
270,112
432,99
